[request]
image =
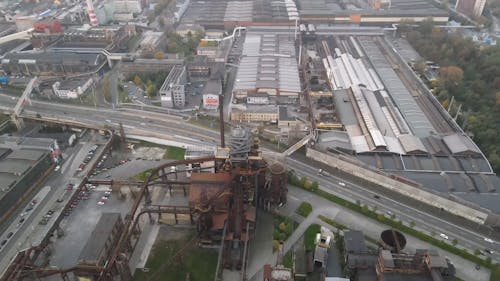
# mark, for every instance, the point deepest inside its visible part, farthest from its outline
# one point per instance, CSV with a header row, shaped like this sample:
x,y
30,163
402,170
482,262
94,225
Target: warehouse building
x,y
20,168
391,123
102,240
267,74
373,12
47,63
226,14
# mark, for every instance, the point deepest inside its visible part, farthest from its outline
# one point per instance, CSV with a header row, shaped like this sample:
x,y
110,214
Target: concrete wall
x,y
406,189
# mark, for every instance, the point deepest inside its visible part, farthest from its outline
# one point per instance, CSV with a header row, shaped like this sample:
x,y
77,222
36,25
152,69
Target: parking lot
x,y
80,222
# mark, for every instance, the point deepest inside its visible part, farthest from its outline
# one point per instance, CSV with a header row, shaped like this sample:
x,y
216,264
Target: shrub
x,y
276,245
282,227
304,209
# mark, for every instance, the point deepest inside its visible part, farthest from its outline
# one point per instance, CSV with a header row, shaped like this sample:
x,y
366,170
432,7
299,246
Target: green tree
x,y
315,186
412,224
150,90
380,217
303,181
454,242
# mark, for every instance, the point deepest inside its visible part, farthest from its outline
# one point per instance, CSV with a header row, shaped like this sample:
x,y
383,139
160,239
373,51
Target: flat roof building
x,y
172,91
20,168
50,63
268,65
101,241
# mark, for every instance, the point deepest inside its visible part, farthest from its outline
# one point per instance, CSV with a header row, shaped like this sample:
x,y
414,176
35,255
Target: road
x,y
425,222
356,221
30,232
175,128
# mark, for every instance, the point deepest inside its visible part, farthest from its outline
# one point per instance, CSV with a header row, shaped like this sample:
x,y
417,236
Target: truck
x,y
4,80
72,139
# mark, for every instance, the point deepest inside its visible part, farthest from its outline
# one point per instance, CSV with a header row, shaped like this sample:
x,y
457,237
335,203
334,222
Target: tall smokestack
x,y
91,11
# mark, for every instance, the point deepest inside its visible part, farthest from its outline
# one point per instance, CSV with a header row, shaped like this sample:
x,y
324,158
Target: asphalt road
x,y
423,221
30,232
175,128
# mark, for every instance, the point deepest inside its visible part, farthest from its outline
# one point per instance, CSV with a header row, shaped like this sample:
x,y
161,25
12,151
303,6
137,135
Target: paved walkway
x,y
465,269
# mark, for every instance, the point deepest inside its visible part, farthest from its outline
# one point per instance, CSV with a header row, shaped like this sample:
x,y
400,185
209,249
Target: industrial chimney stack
x,y
92,15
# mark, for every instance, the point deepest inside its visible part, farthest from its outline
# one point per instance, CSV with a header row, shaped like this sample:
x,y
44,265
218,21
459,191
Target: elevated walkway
x,y
15,36
297,145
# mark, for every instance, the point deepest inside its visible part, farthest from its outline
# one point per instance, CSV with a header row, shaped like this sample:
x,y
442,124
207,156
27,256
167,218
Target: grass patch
x,y
332,222
395,224
310,236
142,176
304,209
174,153
288,260
495,273
199,263
13,90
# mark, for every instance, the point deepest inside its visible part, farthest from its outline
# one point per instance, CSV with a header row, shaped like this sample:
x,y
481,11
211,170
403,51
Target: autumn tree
x,y
159,55
138,81
451,76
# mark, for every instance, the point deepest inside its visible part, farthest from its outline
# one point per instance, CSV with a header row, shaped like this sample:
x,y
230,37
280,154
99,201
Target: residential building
x,y
199,68
71,89
172,92
471,8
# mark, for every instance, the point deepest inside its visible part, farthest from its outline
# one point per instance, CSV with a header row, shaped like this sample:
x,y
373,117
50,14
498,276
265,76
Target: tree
x,y
380,217
420,67
412,224
159,55
477,252
106,89
315,186
451,76
282,227
150,89
454,242
303,181
308,184
276,245
138,80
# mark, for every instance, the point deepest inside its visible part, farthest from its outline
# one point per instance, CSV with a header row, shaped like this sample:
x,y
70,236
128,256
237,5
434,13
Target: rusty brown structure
x,y
223,206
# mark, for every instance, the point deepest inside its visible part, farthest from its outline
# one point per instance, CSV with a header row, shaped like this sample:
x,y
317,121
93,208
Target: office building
x,y
172,91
